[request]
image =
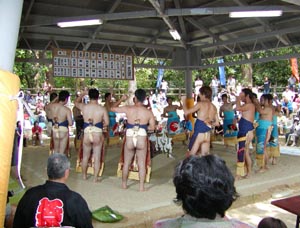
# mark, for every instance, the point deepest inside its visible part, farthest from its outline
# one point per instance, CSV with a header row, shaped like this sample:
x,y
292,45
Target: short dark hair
x,y
206,91
140,95
248,92
270,222
57,165
53,96
224,95
93,94
63,95
106,95
204,186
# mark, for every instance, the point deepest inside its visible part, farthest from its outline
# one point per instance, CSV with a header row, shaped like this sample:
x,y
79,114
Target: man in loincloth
x,y
62,119
207,116
245,133
95,119
139,120
48,110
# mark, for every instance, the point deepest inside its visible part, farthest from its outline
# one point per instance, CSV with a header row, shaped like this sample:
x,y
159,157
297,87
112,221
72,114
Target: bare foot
x,y
84,177
262,170
274,161
142,189
124,185
239,177
96,179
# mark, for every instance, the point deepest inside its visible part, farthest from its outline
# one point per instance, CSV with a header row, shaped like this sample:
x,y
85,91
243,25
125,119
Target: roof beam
x,y
165,18
166,14
207,31
264,23
296,2
251,37
96,41
99,28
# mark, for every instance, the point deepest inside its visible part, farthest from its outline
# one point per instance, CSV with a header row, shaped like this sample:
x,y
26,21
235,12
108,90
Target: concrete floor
x,y
142,208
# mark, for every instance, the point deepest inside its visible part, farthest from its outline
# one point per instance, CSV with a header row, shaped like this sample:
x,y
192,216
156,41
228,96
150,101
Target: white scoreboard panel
x,y
90,64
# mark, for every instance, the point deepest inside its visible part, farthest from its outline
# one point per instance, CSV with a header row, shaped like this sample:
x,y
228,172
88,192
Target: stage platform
x,y
142,208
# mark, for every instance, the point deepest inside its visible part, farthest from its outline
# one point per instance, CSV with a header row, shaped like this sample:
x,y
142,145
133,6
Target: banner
x,y
222,73
159,77
294,68
90,64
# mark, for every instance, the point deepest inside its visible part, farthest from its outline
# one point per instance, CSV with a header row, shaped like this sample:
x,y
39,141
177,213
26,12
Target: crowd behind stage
x,y
287,120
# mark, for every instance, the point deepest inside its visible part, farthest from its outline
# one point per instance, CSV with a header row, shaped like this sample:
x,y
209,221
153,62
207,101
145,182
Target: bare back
x,y
140,113
61,112
207,112
95,112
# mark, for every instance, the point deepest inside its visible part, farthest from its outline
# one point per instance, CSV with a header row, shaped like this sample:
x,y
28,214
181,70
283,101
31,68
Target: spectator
x,y
230,83
214,86
292,83
39,96
198,85
53,204
289,94
205,189
36,134
270,222
164,86
267,85
294,132
287,107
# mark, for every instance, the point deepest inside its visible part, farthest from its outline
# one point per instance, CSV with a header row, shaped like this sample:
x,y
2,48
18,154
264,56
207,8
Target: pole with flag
x,y
222,75
294,68
159,76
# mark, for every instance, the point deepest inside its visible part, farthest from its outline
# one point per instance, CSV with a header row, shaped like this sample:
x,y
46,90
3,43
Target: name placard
x,y
89,64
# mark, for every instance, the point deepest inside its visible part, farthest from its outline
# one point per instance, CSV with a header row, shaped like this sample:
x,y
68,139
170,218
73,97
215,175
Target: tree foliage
x,y
32,75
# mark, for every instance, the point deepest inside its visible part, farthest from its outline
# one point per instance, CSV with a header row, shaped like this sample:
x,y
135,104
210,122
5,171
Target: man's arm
x,y
105,119
151,126
116,104
69,117
78,101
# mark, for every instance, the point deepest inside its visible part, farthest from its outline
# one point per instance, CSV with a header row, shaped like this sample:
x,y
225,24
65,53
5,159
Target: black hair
x,y
248,92
140,95
53,96
224,95
93,94
63,95
106,95
204,186
270,222
206,91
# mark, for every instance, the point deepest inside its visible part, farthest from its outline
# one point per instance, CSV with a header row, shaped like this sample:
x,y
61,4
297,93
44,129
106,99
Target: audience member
x,y
53,204
205,189
37,134
270,222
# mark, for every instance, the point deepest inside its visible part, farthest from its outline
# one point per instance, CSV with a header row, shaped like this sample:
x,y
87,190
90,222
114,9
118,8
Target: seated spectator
x,y
294,132
36,134
53,204
270,222
205,189
39,96
287,107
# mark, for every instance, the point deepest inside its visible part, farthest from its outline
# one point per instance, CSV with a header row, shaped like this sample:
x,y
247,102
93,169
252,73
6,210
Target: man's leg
x,y
248,161
128,155
141,152
86,155
63,141
98,140
196,145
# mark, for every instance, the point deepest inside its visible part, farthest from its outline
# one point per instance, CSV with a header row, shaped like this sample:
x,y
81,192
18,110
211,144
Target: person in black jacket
x,y
53,204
